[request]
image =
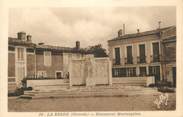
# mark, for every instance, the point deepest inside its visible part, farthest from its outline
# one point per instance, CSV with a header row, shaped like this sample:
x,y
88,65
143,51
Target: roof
x,y
140,34
17,42
53,47
169,39
63,49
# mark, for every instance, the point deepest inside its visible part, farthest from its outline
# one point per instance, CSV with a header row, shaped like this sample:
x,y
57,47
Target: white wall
x,y
135,49
145,81
102,68
77,74
67,58
90,71
34,83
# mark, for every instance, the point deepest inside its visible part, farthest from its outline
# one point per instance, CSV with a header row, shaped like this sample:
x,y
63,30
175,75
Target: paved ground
x,y
138,102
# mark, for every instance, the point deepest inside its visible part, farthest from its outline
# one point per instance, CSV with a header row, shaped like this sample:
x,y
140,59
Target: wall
x,y
170,60
169,32
12,87
102,71
90,71
170,51
77,74
67,57
30,64
169,73
11,72
66,62
11,64
34,83
133,40
56,64
142,81
147,40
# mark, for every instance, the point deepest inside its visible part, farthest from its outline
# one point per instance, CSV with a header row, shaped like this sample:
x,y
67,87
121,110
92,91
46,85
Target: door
x,y
58,75
156,52
117,56
129,55
174,76
142,53
20,65
155,71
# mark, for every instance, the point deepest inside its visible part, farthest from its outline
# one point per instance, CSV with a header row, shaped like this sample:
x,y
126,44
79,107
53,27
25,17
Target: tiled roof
x,y
133,35
63,49
15,41
53,47
169,39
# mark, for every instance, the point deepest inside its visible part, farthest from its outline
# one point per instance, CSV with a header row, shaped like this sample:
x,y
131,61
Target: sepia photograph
x,y
92,59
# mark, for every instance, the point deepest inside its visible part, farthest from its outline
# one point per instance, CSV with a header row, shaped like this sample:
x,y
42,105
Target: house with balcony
x,y
141,54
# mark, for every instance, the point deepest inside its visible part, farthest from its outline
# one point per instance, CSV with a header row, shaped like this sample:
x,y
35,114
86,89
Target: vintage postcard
x,y
91,58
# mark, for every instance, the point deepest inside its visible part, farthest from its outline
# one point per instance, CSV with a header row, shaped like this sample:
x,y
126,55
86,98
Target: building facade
x,y
169,55
144,54
29,60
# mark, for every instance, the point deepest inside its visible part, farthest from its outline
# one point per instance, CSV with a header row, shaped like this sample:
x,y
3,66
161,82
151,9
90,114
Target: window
x,y
131,71
20,54
115,72
47,58
41,74
142,56
123,72
156,54
11,48
143,71
117,56
129,59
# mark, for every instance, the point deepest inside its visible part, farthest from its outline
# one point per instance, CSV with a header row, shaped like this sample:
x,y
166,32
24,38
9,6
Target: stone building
x,y
29,60
150,53
169,55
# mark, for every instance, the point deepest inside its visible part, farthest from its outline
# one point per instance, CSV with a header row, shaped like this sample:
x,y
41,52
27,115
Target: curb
x,y
73,96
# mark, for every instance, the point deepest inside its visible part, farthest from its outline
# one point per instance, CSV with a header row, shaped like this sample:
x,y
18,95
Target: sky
x,y
63,26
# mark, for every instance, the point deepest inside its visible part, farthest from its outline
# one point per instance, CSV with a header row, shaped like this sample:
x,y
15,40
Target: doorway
x,y
59,75
174,76
155,71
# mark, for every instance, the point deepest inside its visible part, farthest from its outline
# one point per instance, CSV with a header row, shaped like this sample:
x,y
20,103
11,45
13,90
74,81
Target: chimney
x,y
77,45
29,38
124,29
21,36
138,30
159,24
120,32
